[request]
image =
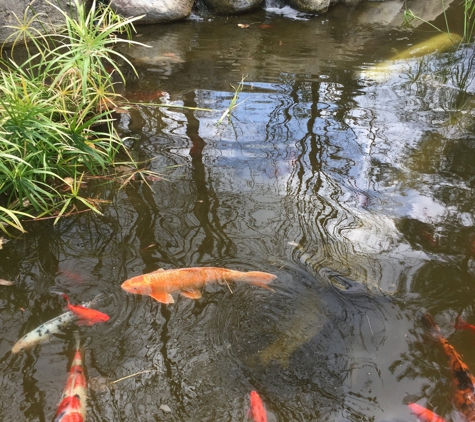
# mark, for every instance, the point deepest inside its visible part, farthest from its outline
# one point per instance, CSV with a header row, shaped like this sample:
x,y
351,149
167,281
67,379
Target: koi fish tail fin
x,y
258,278
78,340
428,321
432,328
423,414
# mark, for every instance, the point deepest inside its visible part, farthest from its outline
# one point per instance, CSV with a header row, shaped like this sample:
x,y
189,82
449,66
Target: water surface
x,y
356,193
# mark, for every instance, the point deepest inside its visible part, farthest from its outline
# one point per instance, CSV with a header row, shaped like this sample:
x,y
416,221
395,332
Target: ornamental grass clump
x,y
56,109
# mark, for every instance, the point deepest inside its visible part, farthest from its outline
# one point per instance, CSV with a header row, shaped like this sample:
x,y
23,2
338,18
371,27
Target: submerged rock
x,y
232,6
14,12
311,6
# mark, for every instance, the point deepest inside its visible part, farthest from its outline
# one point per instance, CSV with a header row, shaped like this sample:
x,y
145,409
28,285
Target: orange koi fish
x,y
462,379
72,407
257,410
159,284
461,324
425,415
86,316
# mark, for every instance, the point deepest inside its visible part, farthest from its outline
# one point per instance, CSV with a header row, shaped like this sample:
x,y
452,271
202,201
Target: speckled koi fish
x,y
425,415
45,331
72,407
462,379
159,284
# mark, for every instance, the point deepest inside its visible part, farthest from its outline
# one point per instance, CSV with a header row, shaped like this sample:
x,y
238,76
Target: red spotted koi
x,y
462,379
257,410
159,284
72,407
86,316
425,415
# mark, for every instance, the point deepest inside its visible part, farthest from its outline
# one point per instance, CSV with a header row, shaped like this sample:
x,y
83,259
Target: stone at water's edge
x,y
310,6
232,6
155,11
47,13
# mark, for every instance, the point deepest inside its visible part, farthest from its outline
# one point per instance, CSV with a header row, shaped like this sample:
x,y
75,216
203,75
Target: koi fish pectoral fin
x,y
191,294
82,321
162,297
264,286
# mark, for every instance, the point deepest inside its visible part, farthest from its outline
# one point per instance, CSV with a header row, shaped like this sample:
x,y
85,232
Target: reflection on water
x,y
356,194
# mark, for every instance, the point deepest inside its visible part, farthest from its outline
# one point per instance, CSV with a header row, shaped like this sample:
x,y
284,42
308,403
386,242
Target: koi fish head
x,y
137,285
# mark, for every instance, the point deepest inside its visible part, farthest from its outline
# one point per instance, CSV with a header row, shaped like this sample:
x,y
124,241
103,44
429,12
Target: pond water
x,y
357,192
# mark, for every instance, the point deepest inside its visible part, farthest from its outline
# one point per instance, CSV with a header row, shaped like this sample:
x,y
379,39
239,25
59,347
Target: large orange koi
x,y
159,284
462,379
72,407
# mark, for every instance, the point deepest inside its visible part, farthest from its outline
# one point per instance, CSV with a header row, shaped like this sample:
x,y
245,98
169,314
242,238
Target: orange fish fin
x,y
82,322
264,286
258,278
162,297
191,294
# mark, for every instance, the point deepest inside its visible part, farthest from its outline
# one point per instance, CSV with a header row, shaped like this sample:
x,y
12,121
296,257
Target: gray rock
x,y
155,11
13,11
232,6
310,6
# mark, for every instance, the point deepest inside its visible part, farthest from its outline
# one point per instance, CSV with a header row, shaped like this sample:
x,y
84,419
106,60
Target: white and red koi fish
x,y
45,331
425,415
159,284
257,411
72,407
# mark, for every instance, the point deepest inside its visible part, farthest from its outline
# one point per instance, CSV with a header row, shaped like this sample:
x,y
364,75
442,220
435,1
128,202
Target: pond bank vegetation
x,y
56,114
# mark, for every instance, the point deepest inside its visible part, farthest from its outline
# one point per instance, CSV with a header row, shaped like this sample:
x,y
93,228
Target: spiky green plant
x,y
51,107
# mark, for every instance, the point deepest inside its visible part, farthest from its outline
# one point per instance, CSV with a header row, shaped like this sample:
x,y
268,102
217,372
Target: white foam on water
x,y
286,11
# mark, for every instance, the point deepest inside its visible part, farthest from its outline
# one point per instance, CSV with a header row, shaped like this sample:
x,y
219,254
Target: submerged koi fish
x,y
461,324
257,410
45,331
462,379
159,284
72,407
425,415
86,316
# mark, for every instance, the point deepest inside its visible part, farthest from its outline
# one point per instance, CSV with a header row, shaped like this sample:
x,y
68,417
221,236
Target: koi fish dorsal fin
x,y
162,297
191,294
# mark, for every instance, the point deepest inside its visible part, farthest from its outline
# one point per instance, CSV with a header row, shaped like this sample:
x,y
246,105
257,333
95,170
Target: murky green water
x,y
357,194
